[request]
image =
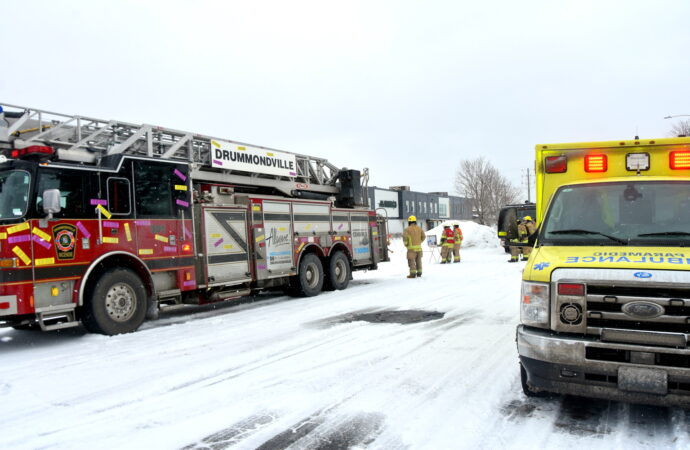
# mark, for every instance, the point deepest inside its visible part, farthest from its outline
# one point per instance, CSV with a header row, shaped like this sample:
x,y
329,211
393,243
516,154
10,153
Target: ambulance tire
x,y
117,303
310,277
339,273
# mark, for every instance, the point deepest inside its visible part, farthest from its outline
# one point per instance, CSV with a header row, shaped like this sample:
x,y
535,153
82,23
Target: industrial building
x,y
431,208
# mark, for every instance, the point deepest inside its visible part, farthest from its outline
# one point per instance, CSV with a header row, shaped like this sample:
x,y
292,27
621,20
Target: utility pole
x,y
529,194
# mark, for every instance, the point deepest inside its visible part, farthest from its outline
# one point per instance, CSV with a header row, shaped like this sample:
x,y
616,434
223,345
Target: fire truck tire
x,y
117,304
310,277
339,274
27,327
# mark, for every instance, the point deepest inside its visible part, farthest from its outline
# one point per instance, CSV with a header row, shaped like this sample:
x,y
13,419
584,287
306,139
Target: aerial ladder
x,y
87,140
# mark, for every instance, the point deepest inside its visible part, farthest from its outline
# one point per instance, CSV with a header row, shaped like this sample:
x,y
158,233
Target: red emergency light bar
x,y
32,151
596,163
571,289
680,159
555,164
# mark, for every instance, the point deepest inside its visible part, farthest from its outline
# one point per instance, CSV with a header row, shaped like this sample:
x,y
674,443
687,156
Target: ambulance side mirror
x,y
51,202
532,238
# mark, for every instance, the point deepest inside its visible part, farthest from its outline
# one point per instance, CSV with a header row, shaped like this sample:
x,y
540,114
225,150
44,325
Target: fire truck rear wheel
x,y
310,277
117,304
339,274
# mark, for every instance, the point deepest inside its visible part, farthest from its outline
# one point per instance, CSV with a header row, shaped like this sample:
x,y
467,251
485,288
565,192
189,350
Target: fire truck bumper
x,y
584,366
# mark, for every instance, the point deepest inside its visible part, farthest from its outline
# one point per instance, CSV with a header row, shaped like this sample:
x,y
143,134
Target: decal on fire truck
x,y
65,236
227,155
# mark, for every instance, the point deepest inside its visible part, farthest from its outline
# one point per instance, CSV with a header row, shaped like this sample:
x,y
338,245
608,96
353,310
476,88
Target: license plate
x,y
638,379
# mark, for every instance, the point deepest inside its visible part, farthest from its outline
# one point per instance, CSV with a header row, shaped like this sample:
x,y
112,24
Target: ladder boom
x,y
87,140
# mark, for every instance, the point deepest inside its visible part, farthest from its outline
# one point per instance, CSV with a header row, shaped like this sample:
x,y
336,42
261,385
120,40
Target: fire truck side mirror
x,y
51,202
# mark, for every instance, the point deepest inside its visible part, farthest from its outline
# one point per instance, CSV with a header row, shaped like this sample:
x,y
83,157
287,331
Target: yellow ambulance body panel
x,y
616,152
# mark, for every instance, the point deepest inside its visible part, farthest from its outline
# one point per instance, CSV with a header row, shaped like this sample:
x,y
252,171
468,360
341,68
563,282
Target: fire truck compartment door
x,y
226,249
361,238
278,238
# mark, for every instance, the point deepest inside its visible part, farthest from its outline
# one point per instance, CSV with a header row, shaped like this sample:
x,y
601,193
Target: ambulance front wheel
x,y
117,303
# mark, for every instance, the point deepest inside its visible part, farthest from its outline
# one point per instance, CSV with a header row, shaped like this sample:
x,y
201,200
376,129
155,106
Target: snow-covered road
x,y
278,371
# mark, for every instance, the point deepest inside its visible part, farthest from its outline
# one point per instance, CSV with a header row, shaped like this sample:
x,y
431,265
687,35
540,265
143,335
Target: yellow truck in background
x,y
605,302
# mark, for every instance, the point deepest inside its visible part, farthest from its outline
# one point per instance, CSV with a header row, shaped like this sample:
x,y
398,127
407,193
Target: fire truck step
x,y
57,317
169,293
226,295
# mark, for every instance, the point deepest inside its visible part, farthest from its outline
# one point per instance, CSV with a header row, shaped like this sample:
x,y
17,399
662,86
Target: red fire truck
x,y
103,221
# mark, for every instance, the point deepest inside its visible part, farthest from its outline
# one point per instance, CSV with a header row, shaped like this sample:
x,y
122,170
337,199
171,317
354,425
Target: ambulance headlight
x,y
534,304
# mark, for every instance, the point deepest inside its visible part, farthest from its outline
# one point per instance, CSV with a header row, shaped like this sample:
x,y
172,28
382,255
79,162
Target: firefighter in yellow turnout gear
x,y
413,236
525,228
458,241
447,244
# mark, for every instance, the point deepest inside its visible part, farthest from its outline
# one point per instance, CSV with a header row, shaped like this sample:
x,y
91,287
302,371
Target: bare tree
x,y
680,128
485,187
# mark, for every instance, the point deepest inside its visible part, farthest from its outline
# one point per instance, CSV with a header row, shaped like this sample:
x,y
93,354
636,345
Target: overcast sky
x,y
405,88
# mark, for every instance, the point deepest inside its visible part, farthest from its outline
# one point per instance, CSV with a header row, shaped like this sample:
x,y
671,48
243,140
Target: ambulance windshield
x,y
14,194
650,213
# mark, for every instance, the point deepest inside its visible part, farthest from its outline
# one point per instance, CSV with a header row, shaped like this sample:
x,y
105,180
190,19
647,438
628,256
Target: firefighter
x,y
514,249
447,243
525,228
529,229
413,236
457,235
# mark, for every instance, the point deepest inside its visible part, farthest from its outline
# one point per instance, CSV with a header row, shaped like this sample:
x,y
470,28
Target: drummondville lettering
x,y
266,161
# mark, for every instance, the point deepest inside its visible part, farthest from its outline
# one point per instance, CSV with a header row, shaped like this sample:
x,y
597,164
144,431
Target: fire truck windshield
x,y
14,194
653,213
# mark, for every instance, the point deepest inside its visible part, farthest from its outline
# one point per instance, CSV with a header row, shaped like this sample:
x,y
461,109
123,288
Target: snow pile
x,y
474,234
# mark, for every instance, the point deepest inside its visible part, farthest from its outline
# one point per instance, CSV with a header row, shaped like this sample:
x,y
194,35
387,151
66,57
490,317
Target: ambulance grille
x,y
661,309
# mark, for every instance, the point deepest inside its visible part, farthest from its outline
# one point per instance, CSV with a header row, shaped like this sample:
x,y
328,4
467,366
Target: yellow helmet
x,y
412,219
527,218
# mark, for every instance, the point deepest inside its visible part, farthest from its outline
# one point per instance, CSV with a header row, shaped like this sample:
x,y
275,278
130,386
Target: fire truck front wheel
x,y
310,278
117,303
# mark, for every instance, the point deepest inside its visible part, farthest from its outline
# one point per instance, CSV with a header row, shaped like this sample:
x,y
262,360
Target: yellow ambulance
x,y
605,302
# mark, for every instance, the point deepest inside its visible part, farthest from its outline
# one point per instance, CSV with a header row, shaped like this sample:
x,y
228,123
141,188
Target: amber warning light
x,y
596,163
679,159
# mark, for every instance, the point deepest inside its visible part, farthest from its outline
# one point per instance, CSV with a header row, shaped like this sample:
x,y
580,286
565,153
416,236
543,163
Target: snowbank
x,y
474,234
